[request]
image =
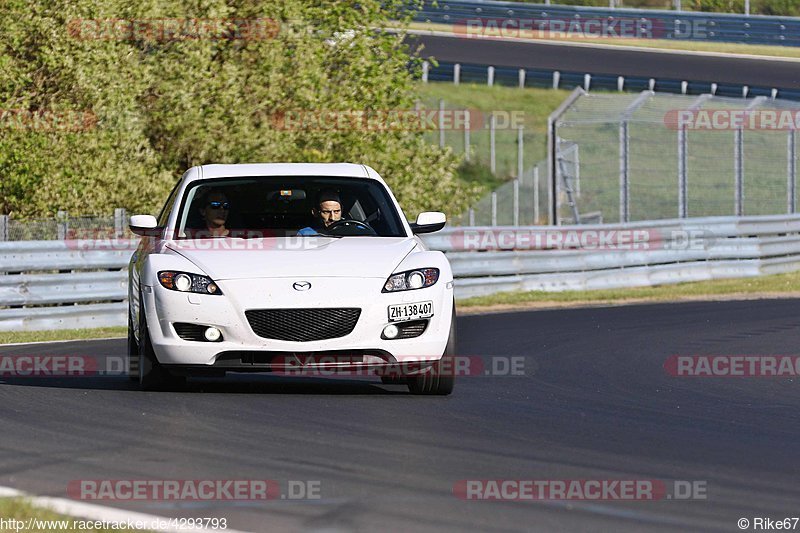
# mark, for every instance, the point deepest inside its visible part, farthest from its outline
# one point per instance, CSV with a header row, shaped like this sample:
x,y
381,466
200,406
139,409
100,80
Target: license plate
x,y
413,311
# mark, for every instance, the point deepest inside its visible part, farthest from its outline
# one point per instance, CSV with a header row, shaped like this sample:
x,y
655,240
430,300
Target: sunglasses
x,y
218,205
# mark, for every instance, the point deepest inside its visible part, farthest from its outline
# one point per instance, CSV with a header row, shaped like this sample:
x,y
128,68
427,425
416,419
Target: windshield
x,y
287,207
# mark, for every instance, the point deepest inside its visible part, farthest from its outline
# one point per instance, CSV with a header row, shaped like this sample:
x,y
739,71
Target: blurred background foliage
x,y
160,105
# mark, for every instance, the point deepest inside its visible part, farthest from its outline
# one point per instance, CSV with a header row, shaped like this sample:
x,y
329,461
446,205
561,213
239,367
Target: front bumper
x,y
240,344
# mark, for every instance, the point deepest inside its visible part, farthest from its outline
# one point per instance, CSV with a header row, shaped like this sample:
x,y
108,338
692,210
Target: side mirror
x,y
144,225
428,222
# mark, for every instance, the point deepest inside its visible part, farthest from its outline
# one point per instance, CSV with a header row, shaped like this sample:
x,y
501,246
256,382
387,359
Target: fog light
x,y
390,331
213,334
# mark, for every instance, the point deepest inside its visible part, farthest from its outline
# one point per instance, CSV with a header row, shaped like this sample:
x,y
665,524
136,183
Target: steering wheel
x,y
346,227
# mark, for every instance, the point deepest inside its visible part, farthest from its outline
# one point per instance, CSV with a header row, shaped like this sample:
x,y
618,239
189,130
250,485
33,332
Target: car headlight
x,y
186,282
411,279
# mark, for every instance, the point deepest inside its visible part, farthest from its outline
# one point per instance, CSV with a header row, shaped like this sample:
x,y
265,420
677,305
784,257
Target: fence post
x,y
738,169
624,178
119,222
494,208
791,184
492,153
62,225
490,76
425,67
520,162
516,202
682,174
456,73
466,135
3,227
536,194
441,123
471,216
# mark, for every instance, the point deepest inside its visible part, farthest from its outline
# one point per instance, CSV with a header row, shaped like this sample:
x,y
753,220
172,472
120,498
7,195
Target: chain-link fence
x,y
655,156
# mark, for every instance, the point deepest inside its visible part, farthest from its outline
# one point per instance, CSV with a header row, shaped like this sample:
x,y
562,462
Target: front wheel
x,y
152,375
440,378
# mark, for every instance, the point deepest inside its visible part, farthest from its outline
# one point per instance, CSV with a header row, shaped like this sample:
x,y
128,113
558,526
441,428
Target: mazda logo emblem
x,y
301,285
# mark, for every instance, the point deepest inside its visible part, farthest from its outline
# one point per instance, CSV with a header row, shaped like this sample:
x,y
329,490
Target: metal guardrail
x,y
682,25
75,284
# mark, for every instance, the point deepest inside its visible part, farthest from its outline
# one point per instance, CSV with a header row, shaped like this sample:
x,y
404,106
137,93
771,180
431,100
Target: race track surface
x,y
622,62
595,403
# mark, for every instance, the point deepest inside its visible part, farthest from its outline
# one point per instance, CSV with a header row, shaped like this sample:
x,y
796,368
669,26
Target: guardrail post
x,y
441,123
651,84
678,5
556,79
119,222
747,8
684,87
494,208
62,225
522,78
714,88
466,135
456,73
620,83
587,82
791,183
490,76
492,152
425,68
738,157
471,217
520,132
3,227
516,202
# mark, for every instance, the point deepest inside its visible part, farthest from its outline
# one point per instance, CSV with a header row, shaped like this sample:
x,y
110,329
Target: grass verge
x,y
775,286
664,44
41,519
10,337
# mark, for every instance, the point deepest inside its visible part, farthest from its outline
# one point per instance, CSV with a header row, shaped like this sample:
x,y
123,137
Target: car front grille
x,y
303,325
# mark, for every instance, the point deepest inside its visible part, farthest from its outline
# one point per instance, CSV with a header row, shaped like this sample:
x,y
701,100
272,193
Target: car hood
x,y
305,257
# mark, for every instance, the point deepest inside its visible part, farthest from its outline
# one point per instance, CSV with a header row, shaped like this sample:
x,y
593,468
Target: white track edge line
x,y
90,511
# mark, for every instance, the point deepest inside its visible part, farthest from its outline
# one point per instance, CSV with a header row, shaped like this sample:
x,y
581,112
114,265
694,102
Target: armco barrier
x,y
676,25
60,285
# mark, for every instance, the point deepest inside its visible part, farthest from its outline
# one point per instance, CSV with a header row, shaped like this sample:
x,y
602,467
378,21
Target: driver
x,y
328,211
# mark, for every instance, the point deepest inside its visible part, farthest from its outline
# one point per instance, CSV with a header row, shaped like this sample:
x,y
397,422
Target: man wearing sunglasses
x,y
215,213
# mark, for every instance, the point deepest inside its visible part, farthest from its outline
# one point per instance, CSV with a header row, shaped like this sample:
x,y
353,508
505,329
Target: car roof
x,y
339,170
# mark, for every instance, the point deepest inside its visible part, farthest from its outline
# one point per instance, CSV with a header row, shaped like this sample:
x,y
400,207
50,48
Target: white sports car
x,y
293,268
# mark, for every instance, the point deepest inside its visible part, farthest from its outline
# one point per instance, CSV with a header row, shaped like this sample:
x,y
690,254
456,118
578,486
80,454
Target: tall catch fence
x,y
651,156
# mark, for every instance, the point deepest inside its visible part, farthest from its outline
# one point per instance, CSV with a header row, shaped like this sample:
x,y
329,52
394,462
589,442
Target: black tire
x,y
440,378
152,375
133,352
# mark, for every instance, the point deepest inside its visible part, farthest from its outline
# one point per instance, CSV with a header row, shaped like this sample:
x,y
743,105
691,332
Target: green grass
x,y
22,510
664,44
9,337
775,285
534,104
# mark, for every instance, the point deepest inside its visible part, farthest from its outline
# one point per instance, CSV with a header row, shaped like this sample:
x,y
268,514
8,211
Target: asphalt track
x,y
623,62
595,403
